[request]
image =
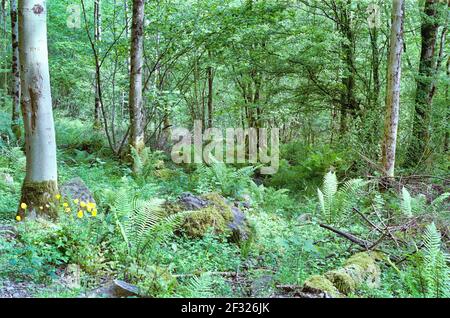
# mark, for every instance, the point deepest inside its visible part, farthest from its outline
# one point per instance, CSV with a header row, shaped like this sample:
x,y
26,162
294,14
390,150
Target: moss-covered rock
x,y
319,283
199,222
211,211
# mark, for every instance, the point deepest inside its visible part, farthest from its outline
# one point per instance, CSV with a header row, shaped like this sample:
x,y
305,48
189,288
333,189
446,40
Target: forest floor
x,y
290,245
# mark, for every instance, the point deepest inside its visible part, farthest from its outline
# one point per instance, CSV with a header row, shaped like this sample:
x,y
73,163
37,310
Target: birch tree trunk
x,y
15,126
137,140
393,87
40,184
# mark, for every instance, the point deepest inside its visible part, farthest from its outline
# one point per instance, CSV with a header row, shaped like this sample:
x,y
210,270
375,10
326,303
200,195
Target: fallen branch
x,y
363,243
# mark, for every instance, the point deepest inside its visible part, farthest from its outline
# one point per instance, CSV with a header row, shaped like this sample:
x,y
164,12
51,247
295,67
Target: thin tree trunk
x,y
393,87
98,39
137,140
40,184
15,126
424,97
210,92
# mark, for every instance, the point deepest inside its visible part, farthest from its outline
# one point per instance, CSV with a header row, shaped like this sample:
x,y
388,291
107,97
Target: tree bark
x,y
424,92
137,140
15,126
40,184
97,38
210,92
393,87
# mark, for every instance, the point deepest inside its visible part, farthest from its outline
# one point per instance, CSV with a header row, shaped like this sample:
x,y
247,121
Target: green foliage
x,y
334,203
229,181
198,287
429,274
143,223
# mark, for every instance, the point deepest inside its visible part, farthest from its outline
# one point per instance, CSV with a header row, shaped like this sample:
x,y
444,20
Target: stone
x,y
115,289
76,189
212,210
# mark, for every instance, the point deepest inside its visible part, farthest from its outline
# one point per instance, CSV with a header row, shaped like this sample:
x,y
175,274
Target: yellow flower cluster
x,y
90,207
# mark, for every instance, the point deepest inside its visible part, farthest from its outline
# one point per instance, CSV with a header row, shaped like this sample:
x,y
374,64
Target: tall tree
x,y
137,140
15,127
393,87
424,92
40,184
97,39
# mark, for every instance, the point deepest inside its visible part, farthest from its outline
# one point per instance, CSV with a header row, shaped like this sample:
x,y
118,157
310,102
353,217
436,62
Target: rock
x,y
212,210
192,202
76,189
115,289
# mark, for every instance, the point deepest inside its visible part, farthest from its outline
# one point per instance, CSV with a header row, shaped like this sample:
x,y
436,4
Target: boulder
x,y
76,189
115,289
211,211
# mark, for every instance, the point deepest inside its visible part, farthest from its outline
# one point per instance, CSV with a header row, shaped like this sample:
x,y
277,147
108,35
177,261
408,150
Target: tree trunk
x,y
429,33
15,126
40,184
210,92
393,88
137,140
97,38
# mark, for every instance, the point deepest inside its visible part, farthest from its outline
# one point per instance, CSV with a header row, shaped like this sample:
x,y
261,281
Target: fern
x,y
406,206
199,287
143,223
436,271
334,202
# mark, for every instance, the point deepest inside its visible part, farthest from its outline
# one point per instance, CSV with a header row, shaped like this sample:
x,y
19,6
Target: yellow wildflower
x,y
18,218
76,201
80,214
65,204
94,212
67,210
58,196
23,205
83,204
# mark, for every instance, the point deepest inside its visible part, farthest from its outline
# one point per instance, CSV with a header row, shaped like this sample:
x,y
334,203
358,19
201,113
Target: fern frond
x,y
436,271
200,286
406,207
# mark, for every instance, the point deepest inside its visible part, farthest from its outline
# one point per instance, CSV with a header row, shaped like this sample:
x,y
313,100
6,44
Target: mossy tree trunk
x,y
40,184
393,88
137,140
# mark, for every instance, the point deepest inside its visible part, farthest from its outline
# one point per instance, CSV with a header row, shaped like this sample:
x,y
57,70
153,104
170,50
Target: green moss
x,y
199,222
365,264
341,280
321,283
39,198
